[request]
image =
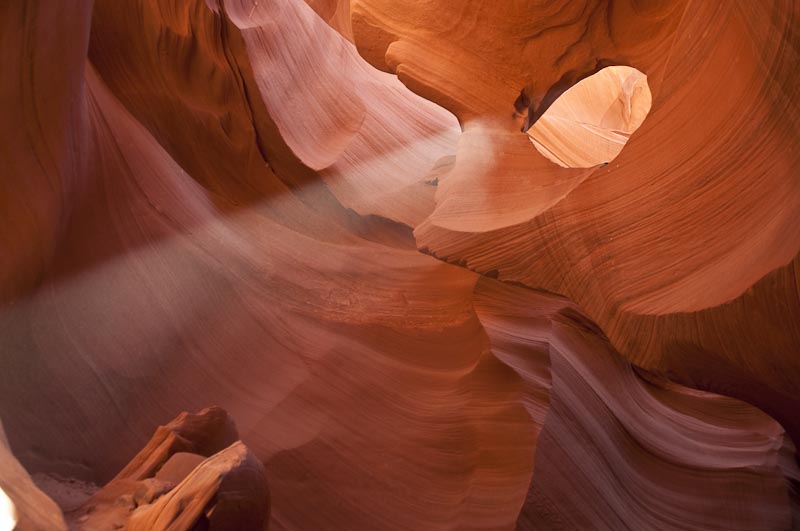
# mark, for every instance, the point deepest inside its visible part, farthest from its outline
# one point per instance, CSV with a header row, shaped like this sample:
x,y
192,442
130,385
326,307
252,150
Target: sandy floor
x,y
68,493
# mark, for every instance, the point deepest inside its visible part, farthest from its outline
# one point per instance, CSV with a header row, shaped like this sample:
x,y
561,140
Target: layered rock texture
x,y
193,474
449,264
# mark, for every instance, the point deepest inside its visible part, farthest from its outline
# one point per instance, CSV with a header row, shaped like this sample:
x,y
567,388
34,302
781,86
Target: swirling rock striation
x,y
225,202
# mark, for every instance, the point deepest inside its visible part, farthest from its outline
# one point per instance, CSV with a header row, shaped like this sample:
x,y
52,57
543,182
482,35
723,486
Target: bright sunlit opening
x,y
8,513
591,122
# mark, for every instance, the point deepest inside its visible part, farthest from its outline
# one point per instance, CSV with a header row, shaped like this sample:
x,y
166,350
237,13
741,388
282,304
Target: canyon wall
x,y
329,218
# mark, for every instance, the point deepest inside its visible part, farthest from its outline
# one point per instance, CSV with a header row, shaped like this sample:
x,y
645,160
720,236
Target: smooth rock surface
x,y
325,217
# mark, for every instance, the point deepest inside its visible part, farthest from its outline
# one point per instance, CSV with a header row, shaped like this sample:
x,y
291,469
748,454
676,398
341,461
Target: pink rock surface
x,y
324,217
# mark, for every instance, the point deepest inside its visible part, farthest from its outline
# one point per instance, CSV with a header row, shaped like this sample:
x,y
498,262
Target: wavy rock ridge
x,y
325,218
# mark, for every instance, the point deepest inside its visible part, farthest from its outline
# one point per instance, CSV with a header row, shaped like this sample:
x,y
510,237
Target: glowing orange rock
x,y
225,202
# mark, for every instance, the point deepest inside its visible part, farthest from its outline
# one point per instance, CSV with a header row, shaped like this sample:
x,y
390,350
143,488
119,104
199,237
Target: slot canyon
x,y
399,265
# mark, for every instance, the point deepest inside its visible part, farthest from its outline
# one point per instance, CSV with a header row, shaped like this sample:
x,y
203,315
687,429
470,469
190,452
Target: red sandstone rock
x,y
30,508
224,201
162,489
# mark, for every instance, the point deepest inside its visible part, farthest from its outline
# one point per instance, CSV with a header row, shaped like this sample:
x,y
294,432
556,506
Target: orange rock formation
x,y
383,236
